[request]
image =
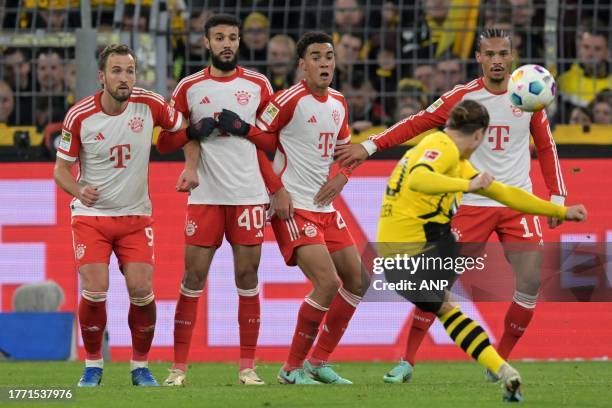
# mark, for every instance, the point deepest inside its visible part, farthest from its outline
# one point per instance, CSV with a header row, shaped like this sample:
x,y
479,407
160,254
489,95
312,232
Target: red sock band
x,y
92,320
141,320
184,321
516,321
336,321
309,319
248,321
421,322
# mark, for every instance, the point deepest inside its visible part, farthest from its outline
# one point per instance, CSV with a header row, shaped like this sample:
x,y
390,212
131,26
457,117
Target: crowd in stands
x,y
393,57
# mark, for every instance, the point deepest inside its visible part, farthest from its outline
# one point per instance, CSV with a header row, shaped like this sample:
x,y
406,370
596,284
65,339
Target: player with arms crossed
x,y
109,134
232,196
304,124
418,206
505,154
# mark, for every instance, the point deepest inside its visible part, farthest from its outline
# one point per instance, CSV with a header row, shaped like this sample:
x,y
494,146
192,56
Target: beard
x,y
119,97
218,63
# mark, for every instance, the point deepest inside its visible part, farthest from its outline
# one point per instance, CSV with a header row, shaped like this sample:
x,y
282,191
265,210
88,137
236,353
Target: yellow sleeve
x,y
426,181
468,171
522,201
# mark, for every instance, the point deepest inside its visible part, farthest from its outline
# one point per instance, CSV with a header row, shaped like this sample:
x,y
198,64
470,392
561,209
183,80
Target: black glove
x,y
231,123
202,129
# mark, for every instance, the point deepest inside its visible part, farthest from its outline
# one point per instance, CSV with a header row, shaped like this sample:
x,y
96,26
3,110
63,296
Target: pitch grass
x,y
456,384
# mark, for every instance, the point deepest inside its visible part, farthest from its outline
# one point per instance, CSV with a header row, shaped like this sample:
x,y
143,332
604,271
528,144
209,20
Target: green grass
x,y
457,384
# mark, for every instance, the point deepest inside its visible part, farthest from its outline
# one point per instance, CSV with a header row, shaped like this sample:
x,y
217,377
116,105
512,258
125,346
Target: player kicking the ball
x,y
418,207
504,154
304,124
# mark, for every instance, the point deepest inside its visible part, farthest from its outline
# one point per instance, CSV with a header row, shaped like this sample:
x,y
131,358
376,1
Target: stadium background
x,y
393,60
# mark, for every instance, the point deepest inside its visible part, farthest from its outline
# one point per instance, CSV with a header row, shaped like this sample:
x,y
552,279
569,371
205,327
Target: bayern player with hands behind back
x,y
505,155
109,134
304,124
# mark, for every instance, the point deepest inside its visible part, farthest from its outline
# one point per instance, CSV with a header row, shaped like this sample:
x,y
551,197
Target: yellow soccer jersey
x,y
405,212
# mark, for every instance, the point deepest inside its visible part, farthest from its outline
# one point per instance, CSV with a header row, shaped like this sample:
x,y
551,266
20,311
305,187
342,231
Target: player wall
x,y
35,244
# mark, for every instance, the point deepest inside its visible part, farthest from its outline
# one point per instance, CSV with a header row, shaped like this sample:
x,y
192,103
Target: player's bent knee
x,y
327,286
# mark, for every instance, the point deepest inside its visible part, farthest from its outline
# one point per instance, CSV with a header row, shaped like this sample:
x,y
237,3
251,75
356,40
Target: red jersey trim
x,y
186,82
77,109
235,75
491,91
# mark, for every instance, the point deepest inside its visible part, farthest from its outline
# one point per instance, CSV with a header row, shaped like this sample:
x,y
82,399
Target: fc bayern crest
x,y
190,228
336,116
136,124
310,230
243,97
80,251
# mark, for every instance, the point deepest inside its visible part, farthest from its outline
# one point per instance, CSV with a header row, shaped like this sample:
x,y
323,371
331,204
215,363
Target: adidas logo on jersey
x,y
99,137
312,119
259,234
204,100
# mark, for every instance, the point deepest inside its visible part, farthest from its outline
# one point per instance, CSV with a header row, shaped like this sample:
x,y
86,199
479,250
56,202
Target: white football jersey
x,y
504,151
113,150
228,170
309,128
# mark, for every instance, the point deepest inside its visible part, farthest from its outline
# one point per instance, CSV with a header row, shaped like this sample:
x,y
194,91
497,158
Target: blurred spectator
x,y
601,109
528,37
348,15
591,73
7,103
18,71
411,98
384,74
49,72
253,41
70,81
580,116
131,22
426,75
45,296
196,52
438,27
347,56
50,103
449,72
281,61
54,19
390,16
360,98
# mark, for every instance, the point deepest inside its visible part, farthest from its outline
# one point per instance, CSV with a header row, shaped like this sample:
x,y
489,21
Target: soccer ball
x,y
531,88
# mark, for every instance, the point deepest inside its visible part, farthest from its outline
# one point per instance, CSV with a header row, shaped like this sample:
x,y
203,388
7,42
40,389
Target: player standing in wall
x,y
231,197
109,134
304,124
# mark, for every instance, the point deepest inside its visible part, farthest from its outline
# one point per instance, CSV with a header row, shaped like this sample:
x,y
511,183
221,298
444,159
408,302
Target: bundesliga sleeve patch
x,y
434,106
269,114
430,155
66,140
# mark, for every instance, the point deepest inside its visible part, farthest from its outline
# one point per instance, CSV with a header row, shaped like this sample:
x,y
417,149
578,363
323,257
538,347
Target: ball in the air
x,y
531,88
